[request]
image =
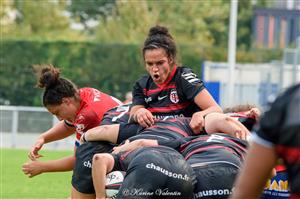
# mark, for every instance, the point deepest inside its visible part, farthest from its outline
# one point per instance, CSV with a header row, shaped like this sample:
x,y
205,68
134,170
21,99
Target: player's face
x,y
64,111
158,65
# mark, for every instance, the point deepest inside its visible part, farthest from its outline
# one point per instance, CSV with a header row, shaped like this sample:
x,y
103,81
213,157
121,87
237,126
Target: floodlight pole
x,y
232,50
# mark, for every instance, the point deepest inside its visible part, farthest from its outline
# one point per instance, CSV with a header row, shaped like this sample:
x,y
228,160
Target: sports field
x,y
14,184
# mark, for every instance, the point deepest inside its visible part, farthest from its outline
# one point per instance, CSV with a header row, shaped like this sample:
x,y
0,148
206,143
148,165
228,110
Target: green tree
x,y
41,19
83,11
129,23
191,22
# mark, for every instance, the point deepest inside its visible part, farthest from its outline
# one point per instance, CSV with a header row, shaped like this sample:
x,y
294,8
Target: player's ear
x,y
171,60
66,100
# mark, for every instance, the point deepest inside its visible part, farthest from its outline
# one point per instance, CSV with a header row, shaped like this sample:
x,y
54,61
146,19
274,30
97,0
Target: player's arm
x,y
102,133
103,163
208,105
138,112
141,115
222,123
34,168
254,175
59,131
130,146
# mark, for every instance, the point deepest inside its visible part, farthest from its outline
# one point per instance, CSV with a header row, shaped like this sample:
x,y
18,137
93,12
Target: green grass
x,y
14,184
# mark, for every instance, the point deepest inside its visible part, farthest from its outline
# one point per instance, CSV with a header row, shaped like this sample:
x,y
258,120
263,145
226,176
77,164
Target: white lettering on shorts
x,y
87,164
166,172
212,192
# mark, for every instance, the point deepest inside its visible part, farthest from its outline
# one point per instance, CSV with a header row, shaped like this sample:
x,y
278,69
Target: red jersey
x,y
93,105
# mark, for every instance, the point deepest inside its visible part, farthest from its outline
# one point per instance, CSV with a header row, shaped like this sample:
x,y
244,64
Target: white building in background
x,y
254,83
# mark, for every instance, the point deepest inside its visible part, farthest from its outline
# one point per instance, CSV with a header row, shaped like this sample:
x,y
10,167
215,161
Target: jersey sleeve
x,y
138,96
190,84
69,124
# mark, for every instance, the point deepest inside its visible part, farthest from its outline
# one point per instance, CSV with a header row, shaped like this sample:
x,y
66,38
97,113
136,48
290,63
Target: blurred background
x,y
97,43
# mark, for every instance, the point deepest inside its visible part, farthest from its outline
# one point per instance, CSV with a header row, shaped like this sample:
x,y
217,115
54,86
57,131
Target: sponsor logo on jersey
x,y
212,192
87,164
166,172
277,186
79,128
165,117
174,96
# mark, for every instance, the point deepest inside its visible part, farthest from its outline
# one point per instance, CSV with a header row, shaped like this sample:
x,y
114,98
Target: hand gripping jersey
x,y
174,98
280,128
93,105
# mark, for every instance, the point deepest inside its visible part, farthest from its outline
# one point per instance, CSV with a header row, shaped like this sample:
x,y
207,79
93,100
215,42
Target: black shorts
x,y
127,130
82,173
154,174
214,181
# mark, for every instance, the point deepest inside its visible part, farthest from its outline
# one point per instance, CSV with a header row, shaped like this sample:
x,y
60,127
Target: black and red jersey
x,y
123,159
215,148
280,128
166,130
116,115
174,98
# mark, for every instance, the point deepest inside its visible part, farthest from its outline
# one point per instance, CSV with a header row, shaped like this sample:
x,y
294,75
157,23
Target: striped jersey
x,y
166,130
215,148
174,98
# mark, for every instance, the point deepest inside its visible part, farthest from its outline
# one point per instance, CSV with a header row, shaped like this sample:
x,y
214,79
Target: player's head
x,y
60,93
159,52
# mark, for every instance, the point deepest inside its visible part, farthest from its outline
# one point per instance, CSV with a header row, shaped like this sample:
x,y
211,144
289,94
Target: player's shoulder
x,y
182,70
186,73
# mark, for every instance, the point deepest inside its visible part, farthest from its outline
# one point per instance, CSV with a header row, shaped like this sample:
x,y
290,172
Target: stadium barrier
x,y
21,125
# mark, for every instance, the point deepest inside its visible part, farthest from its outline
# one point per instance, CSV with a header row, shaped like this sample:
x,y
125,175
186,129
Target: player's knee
x,y
98,158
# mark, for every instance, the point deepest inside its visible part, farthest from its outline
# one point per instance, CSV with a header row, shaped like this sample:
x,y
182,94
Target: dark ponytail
x,y
159,37
56,88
